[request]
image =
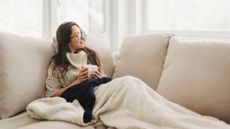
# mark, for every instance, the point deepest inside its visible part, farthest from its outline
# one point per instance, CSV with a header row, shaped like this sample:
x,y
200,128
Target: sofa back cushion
x,y
197,75
23,68
143,56
101,44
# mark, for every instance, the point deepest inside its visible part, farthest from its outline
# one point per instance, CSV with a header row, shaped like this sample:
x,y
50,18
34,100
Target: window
x,y
40,18
89,14
187,15
21,16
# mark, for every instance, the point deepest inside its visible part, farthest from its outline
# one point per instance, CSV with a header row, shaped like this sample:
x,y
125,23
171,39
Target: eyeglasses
x,y
80,36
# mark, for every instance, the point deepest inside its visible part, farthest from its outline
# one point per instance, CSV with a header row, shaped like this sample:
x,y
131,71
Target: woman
x,y
62,72
69,76
124,103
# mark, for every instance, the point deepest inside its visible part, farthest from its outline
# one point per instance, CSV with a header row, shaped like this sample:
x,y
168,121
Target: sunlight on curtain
x,y
188,15
89,14
21,17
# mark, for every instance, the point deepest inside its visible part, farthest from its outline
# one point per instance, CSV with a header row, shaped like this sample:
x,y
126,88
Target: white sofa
x,y
193,73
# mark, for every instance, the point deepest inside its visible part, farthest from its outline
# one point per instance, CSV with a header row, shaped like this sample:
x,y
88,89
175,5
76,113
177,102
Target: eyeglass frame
x,y
80,36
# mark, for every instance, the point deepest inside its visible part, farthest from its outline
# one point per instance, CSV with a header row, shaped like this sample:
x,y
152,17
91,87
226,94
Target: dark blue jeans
x,y
84,93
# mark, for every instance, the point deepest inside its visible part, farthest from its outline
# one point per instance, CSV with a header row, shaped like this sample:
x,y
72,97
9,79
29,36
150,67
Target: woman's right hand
x,y
83,75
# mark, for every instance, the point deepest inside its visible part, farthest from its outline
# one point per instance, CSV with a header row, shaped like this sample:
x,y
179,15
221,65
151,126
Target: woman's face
x,y
76,39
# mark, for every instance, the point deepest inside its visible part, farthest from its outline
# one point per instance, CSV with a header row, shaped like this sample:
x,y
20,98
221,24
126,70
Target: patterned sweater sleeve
x,y
52,80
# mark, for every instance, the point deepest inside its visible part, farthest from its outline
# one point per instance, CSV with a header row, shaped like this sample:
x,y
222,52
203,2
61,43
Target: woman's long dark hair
x,y
63,38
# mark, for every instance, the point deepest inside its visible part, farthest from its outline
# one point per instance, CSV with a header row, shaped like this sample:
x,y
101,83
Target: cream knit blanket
x,y
125,103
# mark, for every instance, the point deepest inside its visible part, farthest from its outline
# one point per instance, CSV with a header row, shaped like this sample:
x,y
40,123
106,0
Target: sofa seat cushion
x,y
23,121
143,56
54,125
17,121
23,68
197,75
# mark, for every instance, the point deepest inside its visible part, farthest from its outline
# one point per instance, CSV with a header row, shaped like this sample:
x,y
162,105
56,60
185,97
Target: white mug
x,y
91,68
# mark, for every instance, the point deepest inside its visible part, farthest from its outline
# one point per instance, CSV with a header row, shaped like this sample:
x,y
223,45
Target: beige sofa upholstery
x,y
143,57
196,75
23,121
192,73
23,69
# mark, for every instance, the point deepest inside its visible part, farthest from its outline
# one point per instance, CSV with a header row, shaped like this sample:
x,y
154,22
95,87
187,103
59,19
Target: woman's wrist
x,y
73,83
60,91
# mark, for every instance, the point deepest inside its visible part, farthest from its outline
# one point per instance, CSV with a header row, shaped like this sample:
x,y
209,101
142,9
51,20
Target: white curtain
x,y
188,15
21,17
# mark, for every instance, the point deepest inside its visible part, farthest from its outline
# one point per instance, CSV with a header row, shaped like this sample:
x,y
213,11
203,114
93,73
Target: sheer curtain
x,y
188,15
21,17
40,18
89,14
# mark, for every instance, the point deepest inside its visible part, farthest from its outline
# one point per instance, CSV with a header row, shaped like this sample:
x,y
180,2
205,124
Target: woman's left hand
x,y
97,73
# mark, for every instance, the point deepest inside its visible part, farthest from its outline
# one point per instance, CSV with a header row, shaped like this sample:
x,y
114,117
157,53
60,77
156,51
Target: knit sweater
x,y
56,79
